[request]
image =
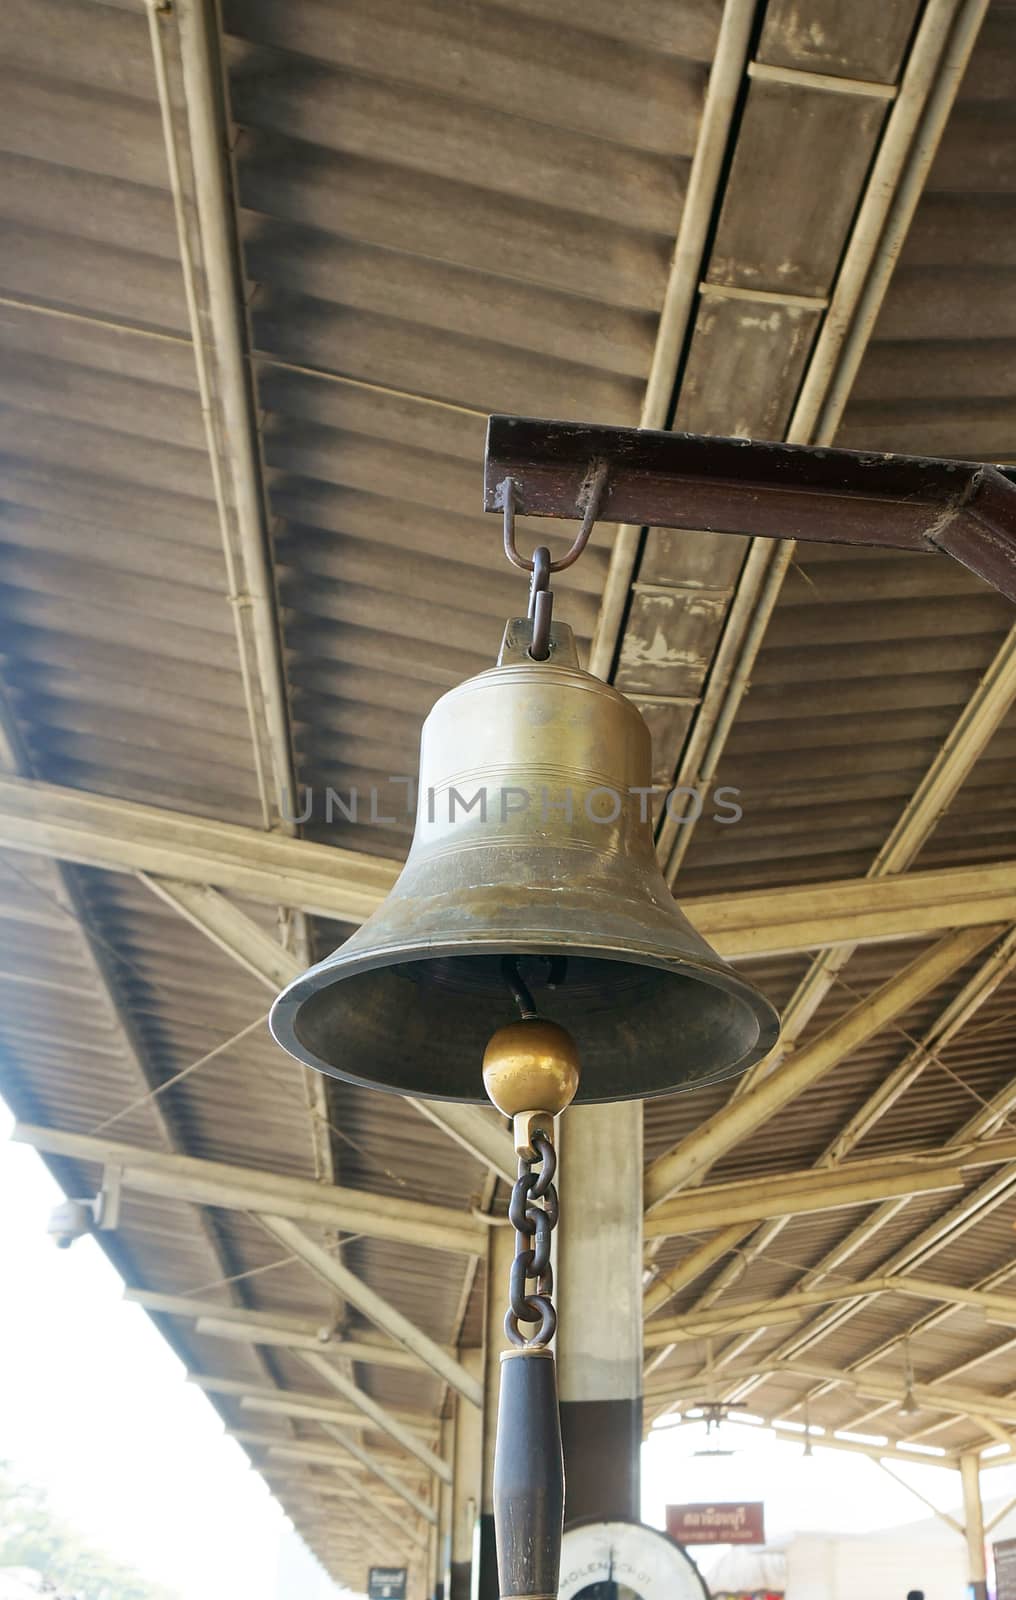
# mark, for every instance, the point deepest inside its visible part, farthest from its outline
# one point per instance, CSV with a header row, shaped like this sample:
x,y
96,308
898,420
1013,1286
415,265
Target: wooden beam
x,y
273,1328
325,1455
472,1128
312,1408
986,1300
235,933
720,110
662,1336
955,1400
825,1188
722,1319
967,740
788,1434
123,836
738,1316
259,1440
213,1183
740,1117
350,1350
184,1305
994,1191
943,1515
281,1400
332,1272
956,1014
383,1419
793,1193
292,1481
347,885
989,975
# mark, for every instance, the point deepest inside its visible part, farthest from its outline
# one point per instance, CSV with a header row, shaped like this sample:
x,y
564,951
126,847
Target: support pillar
x,y
599,1302
467,1483
500,1253
442,1574
973,1519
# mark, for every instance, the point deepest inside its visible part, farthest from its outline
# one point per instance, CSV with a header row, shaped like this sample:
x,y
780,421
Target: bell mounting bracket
x,y
927,505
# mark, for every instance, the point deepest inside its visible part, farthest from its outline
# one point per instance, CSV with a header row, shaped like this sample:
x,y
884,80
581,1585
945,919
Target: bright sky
x,y
830,1491
96,1408
827,1492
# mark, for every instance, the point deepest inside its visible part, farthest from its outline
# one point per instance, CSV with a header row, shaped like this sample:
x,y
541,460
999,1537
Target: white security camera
x,y
70,1220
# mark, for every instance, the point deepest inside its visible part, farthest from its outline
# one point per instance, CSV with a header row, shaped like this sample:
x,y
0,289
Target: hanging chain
x,y
533,1213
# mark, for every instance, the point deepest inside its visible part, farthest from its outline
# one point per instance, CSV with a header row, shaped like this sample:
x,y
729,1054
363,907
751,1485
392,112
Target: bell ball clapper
x,y
531,1074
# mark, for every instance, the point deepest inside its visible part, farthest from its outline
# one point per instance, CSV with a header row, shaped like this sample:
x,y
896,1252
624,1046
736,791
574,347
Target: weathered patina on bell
x,y
533,839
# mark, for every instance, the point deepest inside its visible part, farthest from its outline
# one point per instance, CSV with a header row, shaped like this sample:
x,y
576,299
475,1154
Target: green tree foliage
x,y
33,1535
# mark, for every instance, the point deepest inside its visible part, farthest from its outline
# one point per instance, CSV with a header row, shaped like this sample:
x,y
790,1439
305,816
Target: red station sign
x,y
720,1522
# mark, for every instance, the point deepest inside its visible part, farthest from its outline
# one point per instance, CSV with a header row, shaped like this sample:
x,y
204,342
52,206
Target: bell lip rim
x,y
281,1017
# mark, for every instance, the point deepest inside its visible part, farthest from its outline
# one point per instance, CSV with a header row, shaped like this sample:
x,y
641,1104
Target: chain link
x,y
533,1212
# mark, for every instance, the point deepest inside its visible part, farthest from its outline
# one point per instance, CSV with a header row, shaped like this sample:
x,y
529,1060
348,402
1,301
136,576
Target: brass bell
x,y
533,840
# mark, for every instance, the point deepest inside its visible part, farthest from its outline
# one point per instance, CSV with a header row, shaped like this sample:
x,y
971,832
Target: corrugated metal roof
x,y
444,210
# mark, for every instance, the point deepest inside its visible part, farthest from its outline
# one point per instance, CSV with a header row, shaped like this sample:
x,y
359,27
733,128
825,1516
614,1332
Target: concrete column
x,y
973,1518
599,1305
444,1509
467,1484
500,1253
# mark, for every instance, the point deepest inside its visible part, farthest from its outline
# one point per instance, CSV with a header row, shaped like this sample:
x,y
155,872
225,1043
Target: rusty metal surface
x,y
750,487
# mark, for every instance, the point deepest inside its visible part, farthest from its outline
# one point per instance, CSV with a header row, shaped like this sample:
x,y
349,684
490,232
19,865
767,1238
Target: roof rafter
x,y
373,1305
347,885
977,723
959,1401
740,1117
934,70
950,1021
728,1318
215,1183
472,1128
190,92
418,1421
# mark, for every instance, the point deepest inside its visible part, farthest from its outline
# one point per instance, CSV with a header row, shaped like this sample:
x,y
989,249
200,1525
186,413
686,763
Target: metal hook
x,y
507,490
539,582
541,599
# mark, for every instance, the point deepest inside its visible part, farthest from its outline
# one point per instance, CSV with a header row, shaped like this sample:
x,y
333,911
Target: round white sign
x,y
636,1558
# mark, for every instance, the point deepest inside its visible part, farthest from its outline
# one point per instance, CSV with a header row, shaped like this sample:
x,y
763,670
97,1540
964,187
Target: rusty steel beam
x,y
777,491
